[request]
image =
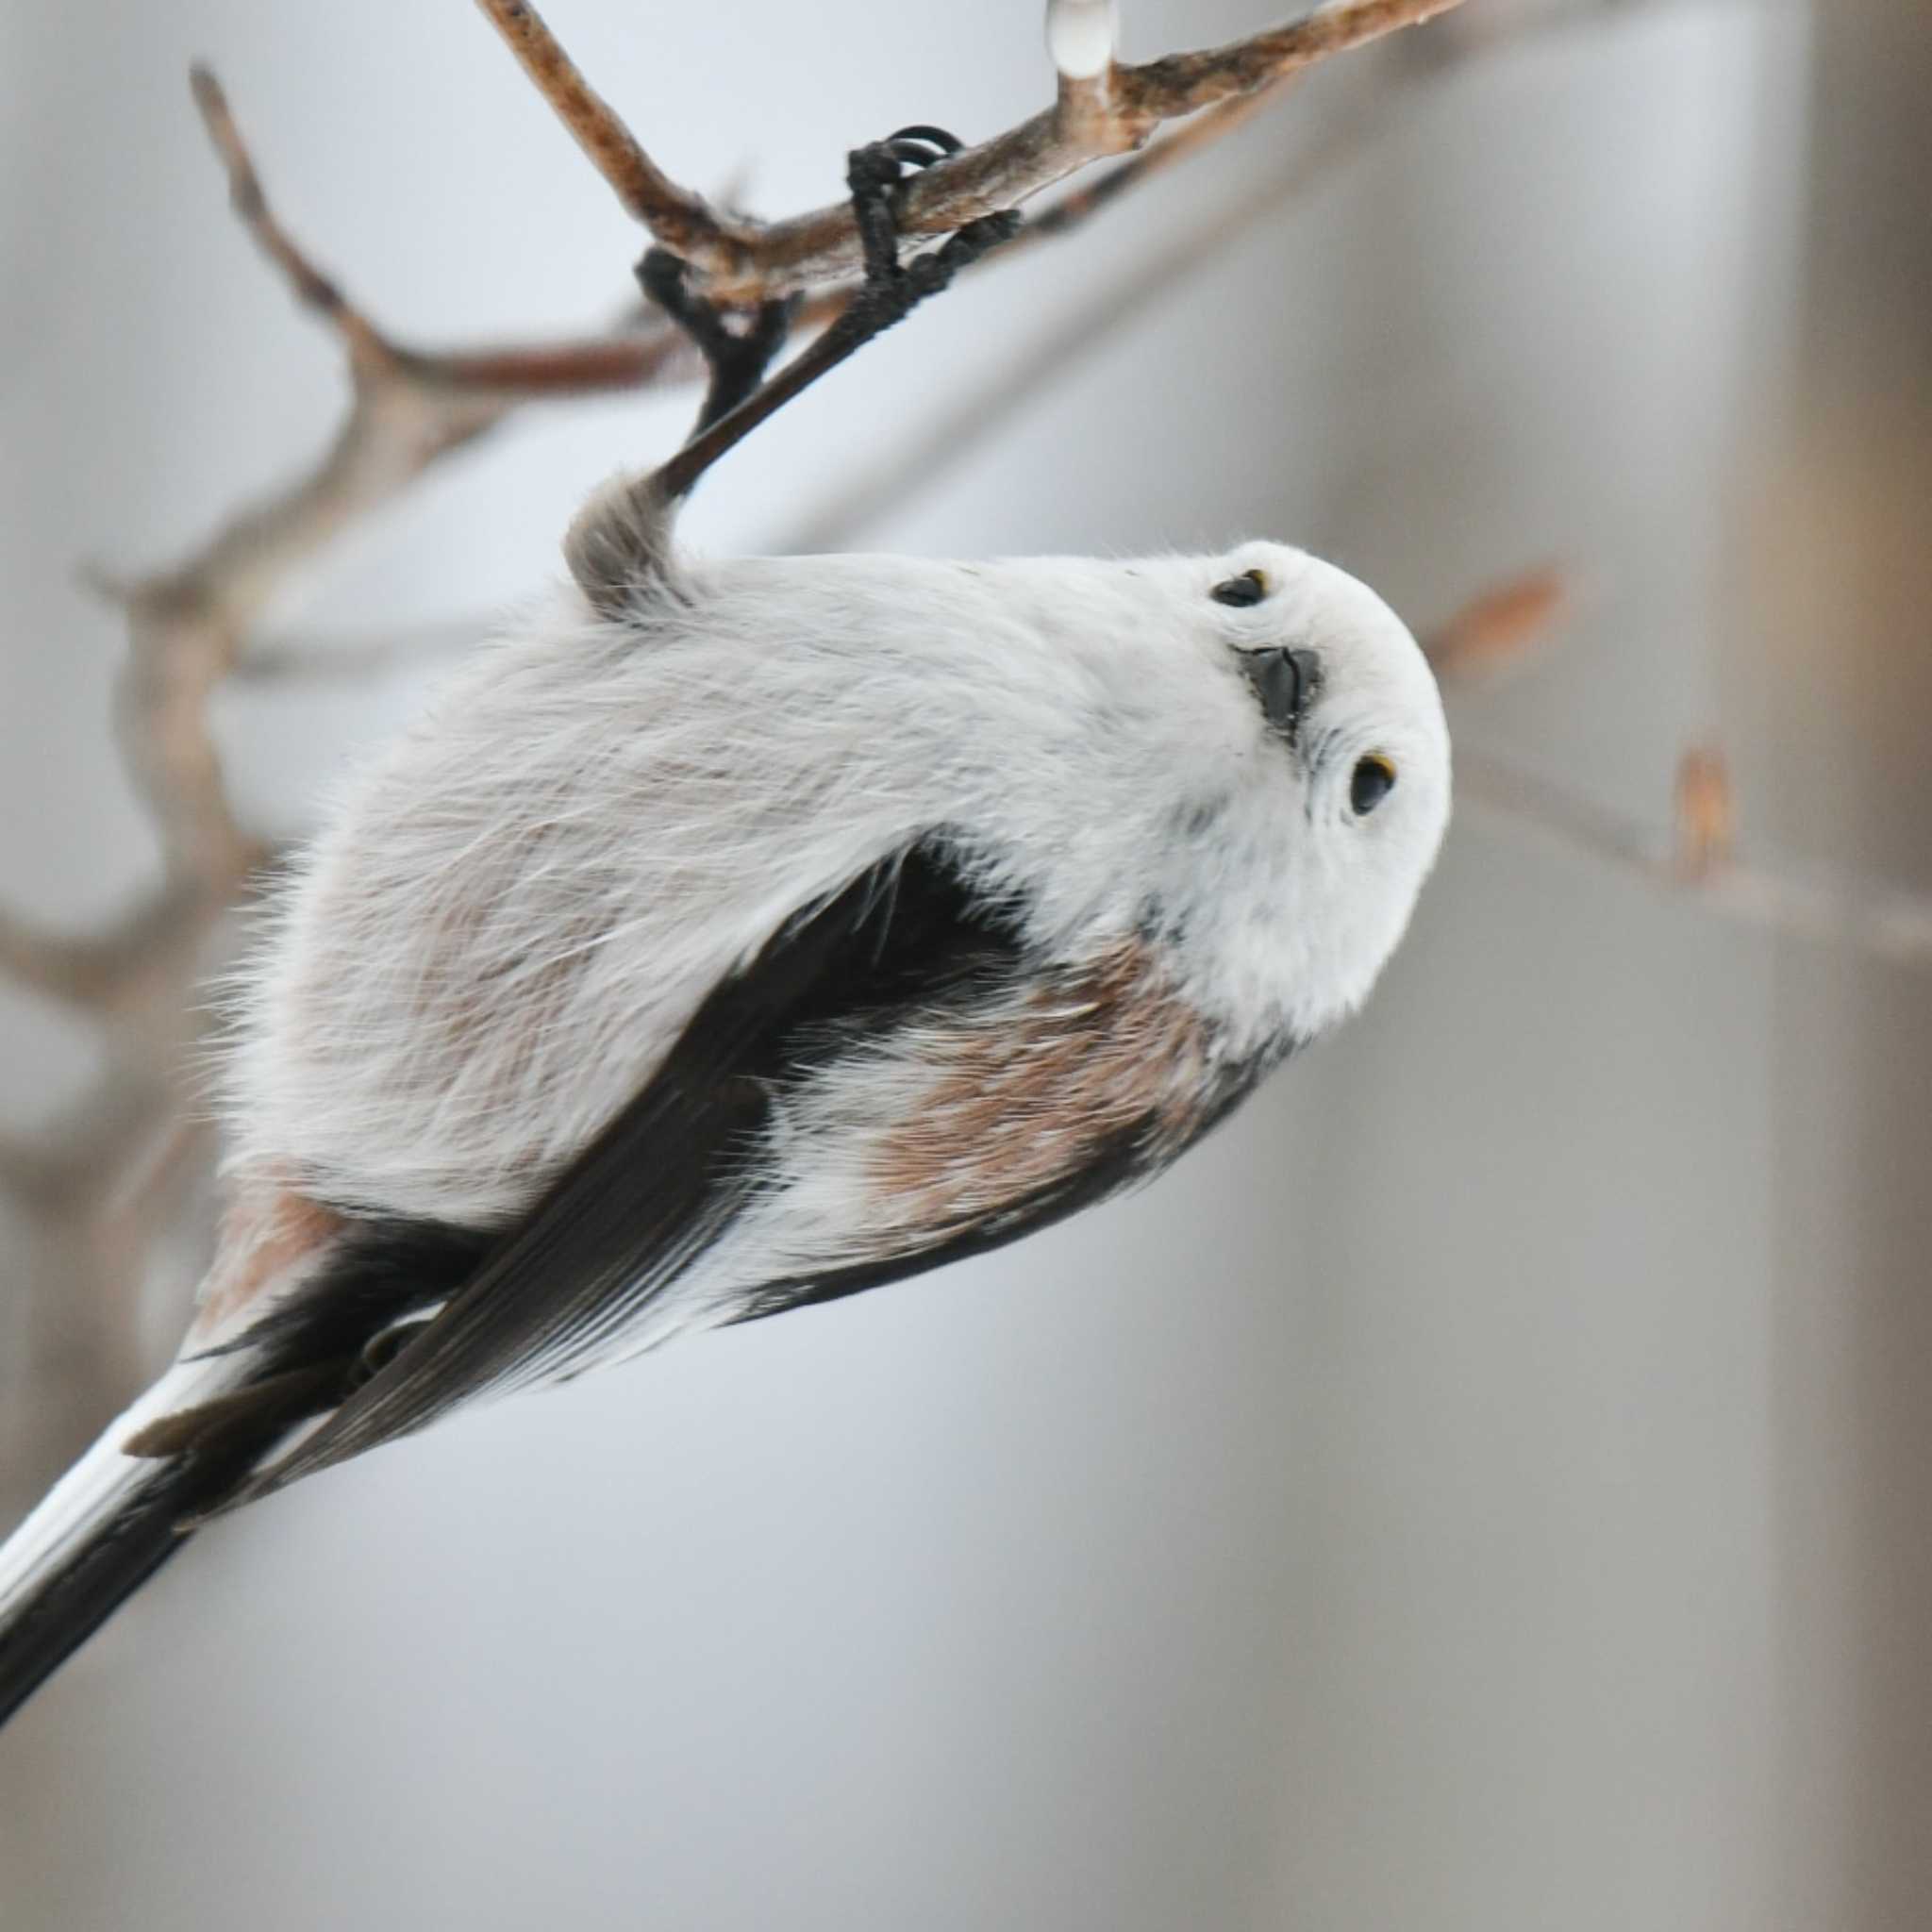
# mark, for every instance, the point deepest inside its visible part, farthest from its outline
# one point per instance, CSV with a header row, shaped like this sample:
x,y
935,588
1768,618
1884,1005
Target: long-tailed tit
x,y
741,934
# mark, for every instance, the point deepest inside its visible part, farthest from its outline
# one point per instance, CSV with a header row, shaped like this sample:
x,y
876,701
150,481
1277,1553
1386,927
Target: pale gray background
x,y
1486,1488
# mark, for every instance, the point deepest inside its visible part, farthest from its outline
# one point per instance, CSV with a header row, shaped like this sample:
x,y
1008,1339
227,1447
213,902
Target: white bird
x,y
740,934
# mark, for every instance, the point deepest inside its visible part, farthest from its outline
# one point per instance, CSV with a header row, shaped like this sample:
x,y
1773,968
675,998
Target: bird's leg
x,y
890,291
737,358
621,539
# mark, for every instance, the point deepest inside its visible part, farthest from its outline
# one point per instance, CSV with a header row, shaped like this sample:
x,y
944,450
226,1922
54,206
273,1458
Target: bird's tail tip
x,y
100,1532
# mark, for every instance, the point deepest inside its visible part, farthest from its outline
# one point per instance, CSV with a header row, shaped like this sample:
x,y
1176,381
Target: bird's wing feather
x,y
670,1173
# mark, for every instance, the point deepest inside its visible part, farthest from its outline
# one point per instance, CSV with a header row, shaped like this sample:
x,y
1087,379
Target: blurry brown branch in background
x,y
1696,854
116,1175
1503,627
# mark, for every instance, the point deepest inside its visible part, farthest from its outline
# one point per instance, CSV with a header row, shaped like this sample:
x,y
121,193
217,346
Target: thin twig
x,y
681,218
1109,110
1080,205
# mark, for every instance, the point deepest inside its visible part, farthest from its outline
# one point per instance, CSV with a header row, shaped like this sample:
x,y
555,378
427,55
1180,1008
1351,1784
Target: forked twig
x,y
1103,108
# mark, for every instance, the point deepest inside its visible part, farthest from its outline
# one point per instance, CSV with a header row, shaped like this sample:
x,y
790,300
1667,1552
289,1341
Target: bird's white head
x,y
1315,759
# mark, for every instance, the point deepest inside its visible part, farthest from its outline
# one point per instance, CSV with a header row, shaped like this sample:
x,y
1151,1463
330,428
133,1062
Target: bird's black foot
x,y
892,288
740,399
736,354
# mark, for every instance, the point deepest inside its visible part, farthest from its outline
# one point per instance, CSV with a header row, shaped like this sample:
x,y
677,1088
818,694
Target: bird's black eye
x,y
1372,781
1249,588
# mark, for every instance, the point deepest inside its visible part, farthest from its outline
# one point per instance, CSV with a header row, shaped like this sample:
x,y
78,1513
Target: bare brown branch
x,y
314,289
679,218
1079,204
407,409
1183,83
1109,111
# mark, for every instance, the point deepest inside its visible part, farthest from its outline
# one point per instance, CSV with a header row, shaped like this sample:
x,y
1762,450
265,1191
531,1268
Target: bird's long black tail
x,y
115,1518
192,1445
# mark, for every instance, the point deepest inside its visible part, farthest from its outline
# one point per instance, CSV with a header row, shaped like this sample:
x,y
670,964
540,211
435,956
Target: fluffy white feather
x,y
520,904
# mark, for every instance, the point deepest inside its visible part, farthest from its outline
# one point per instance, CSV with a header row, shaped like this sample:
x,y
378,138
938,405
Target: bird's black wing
x,y
676,1166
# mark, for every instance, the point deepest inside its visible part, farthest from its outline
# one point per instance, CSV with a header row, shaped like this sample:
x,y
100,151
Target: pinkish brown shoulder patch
x,y
1031,1091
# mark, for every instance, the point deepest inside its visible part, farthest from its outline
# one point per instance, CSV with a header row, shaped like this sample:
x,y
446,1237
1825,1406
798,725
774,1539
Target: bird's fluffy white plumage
x,y
518,907
605,821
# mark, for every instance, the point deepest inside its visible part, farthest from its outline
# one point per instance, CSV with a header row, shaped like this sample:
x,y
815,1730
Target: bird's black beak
x,y
1286,683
